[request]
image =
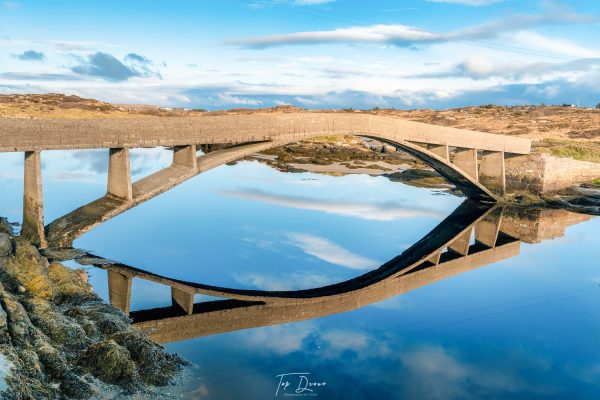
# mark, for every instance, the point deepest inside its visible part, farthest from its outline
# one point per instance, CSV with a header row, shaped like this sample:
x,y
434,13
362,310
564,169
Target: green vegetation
x,y
596,181
584,151
333,139
598,106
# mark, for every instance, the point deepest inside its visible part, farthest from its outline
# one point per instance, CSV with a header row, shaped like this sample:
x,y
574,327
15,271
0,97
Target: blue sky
x,y
311,53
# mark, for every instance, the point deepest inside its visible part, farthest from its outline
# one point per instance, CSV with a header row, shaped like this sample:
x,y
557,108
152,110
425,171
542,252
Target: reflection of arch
x,y
473,236
473,161
445,251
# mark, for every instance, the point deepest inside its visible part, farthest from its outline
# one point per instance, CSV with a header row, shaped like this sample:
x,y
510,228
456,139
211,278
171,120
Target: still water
x,y
522,322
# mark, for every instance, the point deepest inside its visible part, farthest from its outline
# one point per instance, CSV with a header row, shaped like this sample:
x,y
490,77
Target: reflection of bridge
x,y
473,236
473,161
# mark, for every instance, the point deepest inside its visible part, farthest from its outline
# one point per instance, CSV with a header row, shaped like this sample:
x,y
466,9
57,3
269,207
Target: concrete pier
x,y
33,208
492,171
462,243
119,290
487,230
183,298
440,149
185,156
119,174
466,160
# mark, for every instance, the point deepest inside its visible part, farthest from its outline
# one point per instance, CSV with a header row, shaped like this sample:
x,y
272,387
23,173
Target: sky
x,y
309,53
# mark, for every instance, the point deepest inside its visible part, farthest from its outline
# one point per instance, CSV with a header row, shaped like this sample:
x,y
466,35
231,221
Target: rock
x,y
83,275
386,148
6,244
110,362
5,226
20,328
68,285
155,366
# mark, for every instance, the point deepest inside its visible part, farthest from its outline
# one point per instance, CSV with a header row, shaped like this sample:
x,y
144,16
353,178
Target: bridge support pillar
x,y
486,230
492,172
33,206
185,156
183,299
439,149
119,290
435,259
466,159
462,243
119,174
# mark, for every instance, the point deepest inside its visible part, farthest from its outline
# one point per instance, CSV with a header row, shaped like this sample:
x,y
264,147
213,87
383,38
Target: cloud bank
x,y
407,36
330,252
387,211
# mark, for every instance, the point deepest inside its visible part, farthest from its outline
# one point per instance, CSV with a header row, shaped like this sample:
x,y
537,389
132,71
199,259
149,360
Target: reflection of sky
x,y
526,327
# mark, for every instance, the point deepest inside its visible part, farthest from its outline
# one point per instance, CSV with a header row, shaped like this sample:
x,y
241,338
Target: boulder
x,y
6,244
386,148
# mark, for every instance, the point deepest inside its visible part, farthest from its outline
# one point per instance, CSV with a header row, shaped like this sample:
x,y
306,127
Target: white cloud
x,y
467,2
387,211
292,281
405,36
480,68
311,2
330,252
562,47
230,99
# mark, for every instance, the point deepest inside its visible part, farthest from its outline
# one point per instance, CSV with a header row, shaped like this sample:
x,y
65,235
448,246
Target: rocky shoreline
x,y
58,339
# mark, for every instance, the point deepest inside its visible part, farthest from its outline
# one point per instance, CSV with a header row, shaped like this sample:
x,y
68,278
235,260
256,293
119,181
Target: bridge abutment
x,y
119,174
33,206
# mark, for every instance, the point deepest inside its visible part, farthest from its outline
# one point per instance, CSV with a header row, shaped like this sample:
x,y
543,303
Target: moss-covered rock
x,y
65,342
111,362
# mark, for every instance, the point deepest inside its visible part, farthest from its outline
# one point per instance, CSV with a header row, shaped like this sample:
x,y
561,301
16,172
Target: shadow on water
x,y
472,236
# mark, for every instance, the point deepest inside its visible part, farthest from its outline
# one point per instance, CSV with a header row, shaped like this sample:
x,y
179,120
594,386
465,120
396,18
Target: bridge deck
x,y
54,134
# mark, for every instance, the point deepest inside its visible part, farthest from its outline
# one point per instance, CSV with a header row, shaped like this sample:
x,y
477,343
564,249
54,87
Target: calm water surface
x,y
525,327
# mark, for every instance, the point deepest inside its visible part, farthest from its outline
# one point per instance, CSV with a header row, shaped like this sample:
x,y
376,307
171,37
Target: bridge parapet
x,y
55,134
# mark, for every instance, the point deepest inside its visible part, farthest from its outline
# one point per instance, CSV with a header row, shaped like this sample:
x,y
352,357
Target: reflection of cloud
x,y
346,340
280,339
328,251
292,281
385,211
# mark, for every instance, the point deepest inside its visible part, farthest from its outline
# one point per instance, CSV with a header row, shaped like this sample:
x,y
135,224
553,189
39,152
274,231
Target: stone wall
x,y
539,173
534,226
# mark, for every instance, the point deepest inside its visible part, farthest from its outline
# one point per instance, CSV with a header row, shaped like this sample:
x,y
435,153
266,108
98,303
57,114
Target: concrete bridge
x,y
473,236
473,161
